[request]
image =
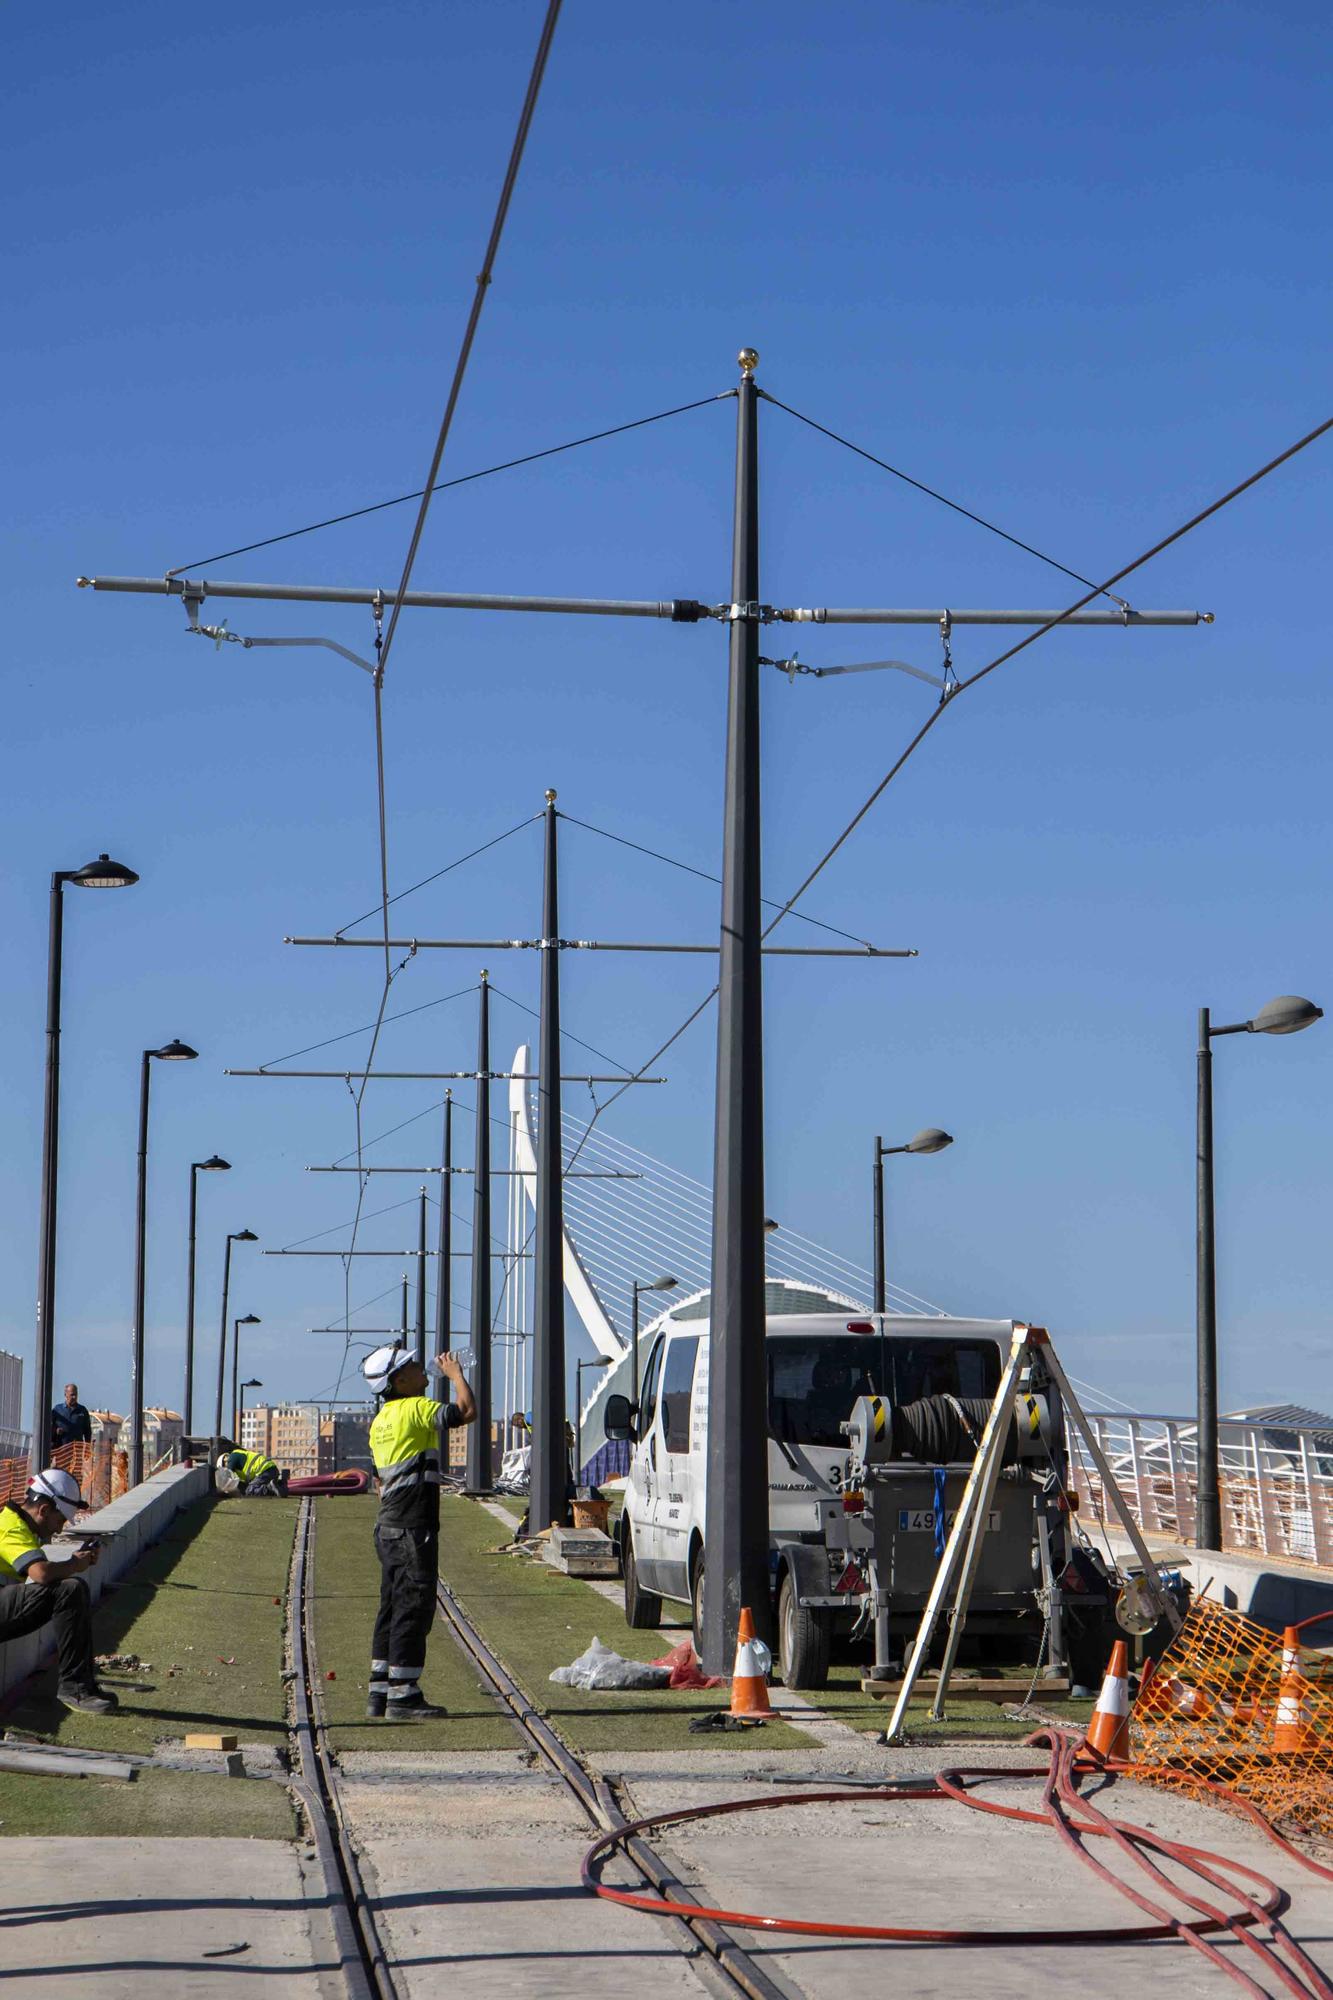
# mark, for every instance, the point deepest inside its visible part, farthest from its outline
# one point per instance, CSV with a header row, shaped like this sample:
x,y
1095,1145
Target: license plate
x,y
921,1521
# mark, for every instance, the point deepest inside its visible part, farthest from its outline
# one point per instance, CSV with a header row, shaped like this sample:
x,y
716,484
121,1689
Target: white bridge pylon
x,y
578,1280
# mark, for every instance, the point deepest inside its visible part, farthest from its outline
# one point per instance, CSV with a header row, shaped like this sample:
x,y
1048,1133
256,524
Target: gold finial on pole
x,y
749,360
550,798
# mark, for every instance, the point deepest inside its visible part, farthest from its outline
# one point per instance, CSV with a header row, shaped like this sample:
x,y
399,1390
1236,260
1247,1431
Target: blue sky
x,y
1072,271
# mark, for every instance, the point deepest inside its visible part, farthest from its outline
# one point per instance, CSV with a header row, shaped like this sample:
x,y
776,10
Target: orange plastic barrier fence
x,y
1223,1707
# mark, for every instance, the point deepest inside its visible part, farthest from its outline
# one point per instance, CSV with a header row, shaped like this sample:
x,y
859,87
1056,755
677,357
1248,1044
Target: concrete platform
x,y
138,1919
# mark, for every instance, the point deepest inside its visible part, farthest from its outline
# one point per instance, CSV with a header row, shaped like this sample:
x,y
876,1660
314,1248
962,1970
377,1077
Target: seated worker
x,y
255,1474
35,1591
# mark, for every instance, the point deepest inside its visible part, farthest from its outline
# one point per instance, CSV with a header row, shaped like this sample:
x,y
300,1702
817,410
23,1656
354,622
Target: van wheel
x,y
697,1604
803,1640
643,1611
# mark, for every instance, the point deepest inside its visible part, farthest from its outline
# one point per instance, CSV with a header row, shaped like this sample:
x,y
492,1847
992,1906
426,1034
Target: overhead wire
x,y
384,644
445,485
956,506
448,869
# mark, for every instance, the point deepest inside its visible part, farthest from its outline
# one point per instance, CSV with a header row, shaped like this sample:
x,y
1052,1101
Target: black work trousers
x,y
409,1565
26,1607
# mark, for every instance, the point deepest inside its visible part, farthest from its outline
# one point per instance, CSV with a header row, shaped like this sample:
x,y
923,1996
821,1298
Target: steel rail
x,y
361,1956
741,1972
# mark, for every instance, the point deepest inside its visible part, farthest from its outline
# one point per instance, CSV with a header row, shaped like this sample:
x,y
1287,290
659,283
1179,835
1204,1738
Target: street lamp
x,y
931,1140
214,1165
236,1236
169,1052
657,1285
249,1319
104,873
602,1361
1286,1015
253,1383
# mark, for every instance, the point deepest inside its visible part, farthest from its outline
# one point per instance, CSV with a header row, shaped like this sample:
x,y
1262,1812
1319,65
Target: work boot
x,y
414,1708
375,1705
88,1701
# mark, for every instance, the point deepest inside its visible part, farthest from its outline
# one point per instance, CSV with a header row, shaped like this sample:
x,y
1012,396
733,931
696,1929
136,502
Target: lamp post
x,y
253,1383
169,1052
236,1236
104,873
602,1361
215,1165
931,1140
1286,1015
637,1287
248,1319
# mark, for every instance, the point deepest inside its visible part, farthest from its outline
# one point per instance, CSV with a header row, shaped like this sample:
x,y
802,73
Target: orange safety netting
x,y
1219,1709
101,1470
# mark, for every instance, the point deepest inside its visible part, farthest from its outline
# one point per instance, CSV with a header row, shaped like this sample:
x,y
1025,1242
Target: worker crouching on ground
x,y
407,1445
34,1591
254,1474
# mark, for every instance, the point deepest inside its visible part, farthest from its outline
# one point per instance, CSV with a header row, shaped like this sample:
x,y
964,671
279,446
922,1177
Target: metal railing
x,y
1276,1483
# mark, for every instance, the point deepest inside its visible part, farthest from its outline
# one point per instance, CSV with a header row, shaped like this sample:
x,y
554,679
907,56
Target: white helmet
x,y
384,1363
61,1487
224,1461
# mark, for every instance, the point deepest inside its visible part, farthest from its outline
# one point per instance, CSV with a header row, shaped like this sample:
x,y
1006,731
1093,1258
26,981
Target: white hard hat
x,y
62,1487
382,1363
224,1460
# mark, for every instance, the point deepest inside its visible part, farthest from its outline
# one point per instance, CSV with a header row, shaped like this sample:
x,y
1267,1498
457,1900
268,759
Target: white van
x,y
819,1362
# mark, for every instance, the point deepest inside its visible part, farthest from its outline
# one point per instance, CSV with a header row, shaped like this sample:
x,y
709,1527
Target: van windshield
x,y
813,1381
812,1385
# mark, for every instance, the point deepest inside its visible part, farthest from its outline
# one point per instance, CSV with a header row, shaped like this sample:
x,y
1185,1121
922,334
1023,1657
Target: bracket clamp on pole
x,y
738,614
192,597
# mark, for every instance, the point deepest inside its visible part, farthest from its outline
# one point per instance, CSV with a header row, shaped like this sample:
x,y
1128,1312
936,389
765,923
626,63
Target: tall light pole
x,y
169,1052
636,1288
215,1165
932,1140
253,1383
1286,1015
104,873
235,1236
248,1319
421,1275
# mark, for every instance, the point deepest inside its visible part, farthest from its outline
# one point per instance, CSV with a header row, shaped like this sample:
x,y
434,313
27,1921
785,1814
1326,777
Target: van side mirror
x,y
618,1420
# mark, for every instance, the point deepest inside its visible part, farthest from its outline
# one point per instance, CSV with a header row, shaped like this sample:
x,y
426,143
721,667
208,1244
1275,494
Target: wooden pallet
x,y
979,1687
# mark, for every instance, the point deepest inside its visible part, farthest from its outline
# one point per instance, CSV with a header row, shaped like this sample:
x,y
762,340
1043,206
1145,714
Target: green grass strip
x,y
200,1607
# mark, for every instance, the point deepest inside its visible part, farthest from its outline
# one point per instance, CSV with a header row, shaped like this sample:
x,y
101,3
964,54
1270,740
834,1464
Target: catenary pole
x,y
736,1523
421,1277
444,1246
879,1226
479,1431
1208,1503
550,1457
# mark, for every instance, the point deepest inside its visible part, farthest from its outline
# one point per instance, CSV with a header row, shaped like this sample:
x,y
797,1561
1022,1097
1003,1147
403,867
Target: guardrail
x,y
1276,1483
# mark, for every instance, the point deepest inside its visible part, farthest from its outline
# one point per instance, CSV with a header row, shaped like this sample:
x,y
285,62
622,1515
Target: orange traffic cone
x,y
1108,1730
1293,1729
749,1685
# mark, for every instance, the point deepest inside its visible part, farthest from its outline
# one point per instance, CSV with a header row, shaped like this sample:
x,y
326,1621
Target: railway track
x,y
362,1956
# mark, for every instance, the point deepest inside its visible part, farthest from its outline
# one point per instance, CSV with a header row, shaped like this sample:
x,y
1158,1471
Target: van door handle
x,y
652,1453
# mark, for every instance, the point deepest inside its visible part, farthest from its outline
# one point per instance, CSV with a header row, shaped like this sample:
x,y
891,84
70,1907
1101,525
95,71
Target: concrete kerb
x,y
131,1524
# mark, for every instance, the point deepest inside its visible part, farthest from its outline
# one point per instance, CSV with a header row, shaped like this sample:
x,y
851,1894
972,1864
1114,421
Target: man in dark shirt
x,y
70,1422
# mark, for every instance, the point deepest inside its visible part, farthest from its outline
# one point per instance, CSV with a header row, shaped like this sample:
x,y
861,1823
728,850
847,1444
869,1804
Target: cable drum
x,y
944,1430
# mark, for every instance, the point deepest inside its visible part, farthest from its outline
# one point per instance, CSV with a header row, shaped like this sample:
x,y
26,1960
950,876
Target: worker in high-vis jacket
x,y
254,1473
36,1590
407,1443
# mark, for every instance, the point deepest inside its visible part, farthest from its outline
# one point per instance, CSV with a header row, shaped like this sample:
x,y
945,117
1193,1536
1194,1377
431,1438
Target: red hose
x,y
1060,1793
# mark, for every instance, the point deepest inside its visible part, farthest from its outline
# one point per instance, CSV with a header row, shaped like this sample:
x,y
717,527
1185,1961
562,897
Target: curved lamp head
x,y
661,1285
244,1236
104,873
253,1383
175,1052
932,1140
1286,1015
249,1319
770,1225
215,1165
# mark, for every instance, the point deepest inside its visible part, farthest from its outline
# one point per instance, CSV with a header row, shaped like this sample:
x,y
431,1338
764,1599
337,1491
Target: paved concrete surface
x,y
137,1919
475,1863
939,1864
